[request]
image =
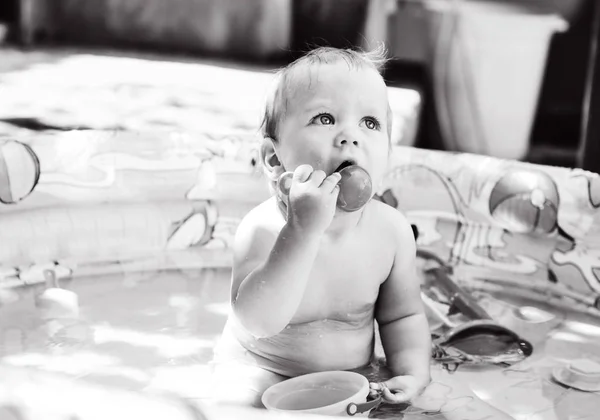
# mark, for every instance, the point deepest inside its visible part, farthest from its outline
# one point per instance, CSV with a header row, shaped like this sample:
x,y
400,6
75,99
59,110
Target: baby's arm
x,y
270,268
270,273
402,322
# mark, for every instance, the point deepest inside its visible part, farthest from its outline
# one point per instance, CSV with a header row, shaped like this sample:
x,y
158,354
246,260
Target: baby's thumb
x,y
399,389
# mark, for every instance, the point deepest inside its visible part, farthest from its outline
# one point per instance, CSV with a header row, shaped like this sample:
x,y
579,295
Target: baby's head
x,y
326,109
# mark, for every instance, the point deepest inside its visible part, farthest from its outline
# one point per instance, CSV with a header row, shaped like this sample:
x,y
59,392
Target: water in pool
x,y
155,330
135,330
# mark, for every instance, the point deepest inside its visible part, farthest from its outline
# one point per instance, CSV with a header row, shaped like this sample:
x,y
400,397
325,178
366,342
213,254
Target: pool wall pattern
x,y
107,198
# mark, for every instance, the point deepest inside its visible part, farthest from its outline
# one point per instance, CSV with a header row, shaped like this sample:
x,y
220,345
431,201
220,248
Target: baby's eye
x,y
372,123
323,119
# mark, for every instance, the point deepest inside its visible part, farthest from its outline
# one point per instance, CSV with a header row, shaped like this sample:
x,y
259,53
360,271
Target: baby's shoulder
x,y
264,218
386,214
391,220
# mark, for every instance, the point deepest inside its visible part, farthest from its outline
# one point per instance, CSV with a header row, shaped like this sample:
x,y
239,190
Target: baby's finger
x,y
375,385
331,182
373,393
317,177
395,397
303,173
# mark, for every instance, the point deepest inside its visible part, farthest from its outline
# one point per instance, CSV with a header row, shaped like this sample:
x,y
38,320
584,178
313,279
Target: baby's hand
x,y
312,199
399,389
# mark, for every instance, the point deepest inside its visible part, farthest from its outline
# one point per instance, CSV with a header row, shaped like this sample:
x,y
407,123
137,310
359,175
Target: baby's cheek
x,y
383,163
377,176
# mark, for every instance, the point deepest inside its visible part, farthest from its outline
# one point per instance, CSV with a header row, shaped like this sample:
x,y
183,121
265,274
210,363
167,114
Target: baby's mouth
x,y
344,164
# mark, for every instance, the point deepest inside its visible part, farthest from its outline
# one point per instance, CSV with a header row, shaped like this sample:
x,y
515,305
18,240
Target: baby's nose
x,y
345,140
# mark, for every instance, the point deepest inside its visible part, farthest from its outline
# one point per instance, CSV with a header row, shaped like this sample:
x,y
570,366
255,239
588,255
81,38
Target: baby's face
x,y
336,114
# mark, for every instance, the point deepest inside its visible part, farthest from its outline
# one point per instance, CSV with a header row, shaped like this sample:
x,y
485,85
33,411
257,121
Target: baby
x,y
310,280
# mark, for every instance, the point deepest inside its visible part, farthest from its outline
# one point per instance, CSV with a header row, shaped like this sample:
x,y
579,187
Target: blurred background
x,y
506,78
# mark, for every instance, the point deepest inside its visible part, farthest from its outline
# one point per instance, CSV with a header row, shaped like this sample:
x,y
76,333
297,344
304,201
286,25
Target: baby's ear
x,y
270,161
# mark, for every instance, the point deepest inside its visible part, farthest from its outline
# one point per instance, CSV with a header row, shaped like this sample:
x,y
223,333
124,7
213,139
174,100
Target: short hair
x,y
276,103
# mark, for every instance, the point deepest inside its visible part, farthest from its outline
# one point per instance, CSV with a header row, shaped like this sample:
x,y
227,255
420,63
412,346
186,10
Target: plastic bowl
x,y
337,393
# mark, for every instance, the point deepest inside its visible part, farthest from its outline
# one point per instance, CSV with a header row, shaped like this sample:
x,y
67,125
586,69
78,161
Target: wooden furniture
x,y
589,148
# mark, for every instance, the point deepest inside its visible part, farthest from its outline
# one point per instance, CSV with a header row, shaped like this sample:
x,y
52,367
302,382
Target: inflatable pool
x,y
132,233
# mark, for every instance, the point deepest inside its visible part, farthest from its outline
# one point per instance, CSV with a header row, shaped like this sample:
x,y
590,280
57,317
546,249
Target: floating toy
x,y
581,374
55,302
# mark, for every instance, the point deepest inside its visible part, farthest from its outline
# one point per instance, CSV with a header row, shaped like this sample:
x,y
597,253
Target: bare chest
x,y
345,281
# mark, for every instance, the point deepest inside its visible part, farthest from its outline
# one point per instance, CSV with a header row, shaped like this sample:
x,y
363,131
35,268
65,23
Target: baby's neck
x,y
344,222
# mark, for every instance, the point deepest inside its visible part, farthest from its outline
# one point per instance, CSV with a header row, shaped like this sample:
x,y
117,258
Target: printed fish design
x,y
480,342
